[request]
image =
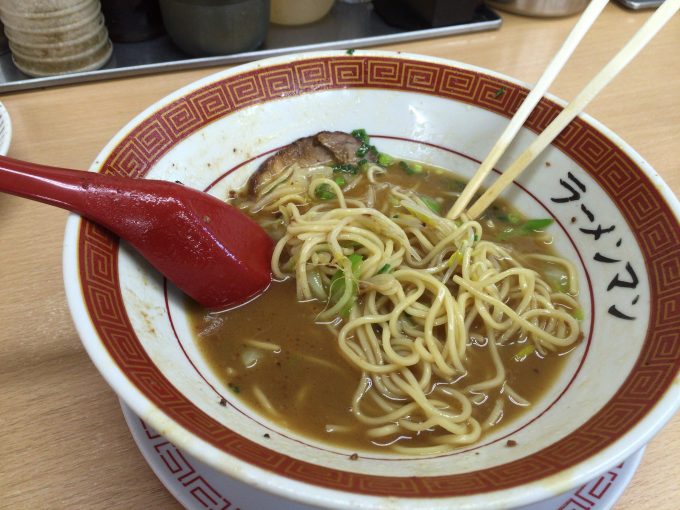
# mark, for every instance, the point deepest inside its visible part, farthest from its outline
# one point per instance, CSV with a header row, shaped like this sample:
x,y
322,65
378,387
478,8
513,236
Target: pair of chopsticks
x,y
655,22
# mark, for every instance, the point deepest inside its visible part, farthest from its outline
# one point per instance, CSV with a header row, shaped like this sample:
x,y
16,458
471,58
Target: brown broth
x,y
310,384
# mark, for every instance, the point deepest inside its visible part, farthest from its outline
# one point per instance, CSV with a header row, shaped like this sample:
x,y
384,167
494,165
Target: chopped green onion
x,y
356,260
337,286
364,149
340,180
455,259
421,214
578,314
515,219
524,352
507,233
500,92
564,284
350,51
497,213
411,169
339,283
385,159
385,269
316,285
475,237
527,228
536,225
346,169
432,204
324,192
250,357
360,134
557,279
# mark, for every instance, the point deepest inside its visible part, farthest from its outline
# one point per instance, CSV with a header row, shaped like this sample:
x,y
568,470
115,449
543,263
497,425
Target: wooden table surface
x,y
64,443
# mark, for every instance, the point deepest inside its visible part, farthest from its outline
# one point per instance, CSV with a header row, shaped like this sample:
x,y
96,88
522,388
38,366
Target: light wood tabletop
x,y
64,441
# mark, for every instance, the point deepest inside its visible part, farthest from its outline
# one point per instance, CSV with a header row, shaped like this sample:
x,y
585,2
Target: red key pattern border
x,y
657,232
180,468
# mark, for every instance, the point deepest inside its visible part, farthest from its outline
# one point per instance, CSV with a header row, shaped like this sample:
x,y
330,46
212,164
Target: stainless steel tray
x,y
346,26
641,4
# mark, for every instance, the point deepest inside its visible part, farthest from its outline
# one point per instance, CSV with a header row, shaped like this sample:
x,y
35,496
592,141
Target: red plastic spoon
x,y
210,250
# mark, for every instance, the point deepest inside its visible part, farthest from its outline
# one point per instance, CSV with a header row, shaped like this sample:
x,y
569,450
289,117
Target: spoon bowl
x,y
208,249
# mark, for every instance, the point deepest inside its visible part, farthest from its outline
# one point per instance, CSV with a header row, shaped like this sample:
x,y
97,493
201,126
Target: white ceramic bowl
x,y
90,59
73,48
39,15
618,388
67,33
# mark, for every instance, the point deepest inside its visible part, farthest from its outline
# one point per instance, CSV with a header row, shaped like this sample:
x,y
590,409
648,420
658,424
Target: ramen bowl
x,y
613,218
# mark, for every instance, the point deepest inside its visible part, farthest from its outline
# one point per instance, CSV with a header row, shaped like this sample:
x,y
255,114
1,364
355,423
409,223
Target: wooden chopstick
x,y
522,114
655,22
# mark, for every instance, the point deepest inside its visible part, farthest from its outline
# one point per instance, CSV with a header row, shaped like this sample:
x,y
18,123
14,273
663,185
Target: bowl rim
x,y
638,435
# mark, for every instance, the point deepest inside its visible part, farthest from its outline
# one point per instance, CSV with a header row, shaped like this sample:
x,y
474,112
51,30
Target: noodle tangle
x,y
407,293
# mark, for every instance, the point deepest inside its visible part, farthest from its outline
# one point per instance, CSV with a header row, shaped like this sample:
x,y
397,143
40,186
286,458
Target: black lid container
x,y
420,14
132,20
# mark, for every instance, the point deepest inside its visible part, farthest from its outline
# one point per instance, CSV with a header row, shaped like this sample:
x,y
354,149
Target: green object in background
x,y
216,27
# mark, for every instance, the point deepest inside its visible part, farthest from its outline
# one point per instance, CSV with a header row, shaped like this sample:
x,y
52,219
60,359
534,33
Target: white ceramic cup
x,y
51,37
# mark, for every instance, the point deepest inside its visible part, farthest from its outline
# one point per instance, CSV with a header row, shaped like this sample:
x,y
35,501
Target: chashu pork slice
x,y
326,147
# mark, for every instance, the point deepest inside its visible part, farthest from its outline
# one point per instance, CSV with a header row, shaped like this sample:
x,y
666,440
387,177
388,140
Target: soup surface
x,y
279,358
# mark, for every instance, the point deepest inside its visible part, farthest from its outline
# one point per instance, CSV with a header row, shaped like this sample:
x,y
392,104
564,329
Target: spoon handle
x,y
210,250
127,207
130,208
98,197
54,186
